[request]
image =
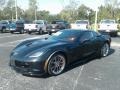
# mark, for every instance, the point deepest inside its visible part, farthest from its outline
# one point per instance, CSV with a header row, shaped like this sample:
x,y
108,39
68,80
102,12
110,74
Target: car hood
x,y
38,45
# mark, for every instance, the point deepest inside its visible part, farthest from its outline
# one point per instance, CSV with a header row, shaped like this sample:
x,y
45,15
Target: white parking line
x,y
11,36
79,75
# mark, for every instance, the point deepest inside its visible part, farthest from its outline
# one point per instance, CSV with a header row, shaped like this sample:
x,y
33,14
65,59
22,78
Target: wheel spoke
x,y
57,64
105,50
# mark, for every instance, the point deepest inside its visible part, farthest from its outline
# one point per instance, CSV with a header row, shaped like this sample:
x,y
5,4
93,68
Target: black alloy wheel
x,y
105,50
56,64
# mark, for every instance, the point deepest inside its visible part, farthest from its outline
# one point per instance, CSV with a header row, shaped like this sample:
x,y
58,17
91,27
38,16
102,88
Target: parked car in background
x,y
57,25
80,24
52,55
5,25
18,27
39,26
12,26
108,26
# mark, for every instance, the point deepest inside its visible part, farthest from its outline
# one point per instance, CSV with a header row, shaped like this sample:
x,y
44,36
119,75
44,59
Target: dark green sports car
x,y
52,55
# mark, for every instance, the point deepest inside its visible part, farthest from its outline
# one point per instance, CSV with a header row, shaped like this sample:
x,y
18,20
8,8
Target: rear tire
x,y
29,32
11,32
115,34
56,64
104,51
22,31
3,30
49,33
40,32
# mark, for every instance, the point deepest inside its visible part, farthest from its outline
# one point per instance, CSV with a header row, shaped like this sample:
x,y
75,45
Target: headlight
x,y
35,55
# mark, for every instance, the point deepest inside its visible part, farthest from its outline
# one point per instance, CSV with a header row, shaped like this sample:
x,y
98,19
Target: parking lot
x,y
95,74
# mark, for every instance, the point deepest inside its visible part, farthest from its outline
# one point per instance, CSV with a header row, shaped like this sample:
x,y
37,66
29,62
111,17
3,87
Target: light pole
x,y
12,13
16,10
35,12
88,14
96,16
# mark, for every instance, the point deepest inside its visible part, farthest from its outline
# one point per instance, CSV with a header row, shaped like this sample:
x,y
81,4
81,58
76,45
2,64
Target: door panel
x,y
87,44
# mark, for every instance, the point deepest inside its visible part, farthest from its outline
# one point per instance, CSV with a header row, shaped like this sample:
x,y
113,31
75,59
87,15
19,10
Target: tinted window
x,y
38,22
3,22
86,36
81,22
107,21
57,22
20,22
66,35
95,34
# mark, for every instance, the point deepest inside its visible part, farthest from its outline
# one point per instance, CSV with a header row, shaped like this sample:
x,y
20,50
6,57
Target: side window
x,y
86,36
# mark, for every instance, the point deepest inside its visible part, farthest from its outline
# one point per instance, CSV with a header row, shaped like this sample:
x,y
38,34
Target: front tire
x,y
56,64
3,30
11,32
40,32
114,34
29,32
22,31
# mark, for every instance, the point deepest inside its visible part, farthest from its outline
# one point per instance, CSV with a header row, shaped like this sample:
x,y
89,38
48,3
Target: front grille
x,y
21,64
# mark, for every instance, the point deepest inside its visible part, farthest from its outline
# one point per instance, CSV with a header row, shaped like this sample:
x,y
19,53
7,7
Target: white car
x,y
108,26
39,26
80,24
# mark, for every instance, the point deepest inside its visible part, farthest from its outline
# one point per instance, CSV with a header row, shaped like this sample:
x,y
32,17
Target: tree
x,y
110,10
31,12
85,12
2,3
8,11
113,5
43,14
66,14
10,6
69,12
11,3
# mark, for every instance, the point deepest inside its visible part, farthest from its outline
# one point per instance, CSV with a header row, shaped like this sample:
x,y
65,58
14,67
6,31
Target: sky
x,y
55,6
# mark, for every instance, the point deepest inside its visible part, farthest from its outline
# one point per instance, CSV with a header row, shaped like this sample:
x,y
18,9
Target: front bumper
x,y
33,30
28,68
52,30
110,32
16,30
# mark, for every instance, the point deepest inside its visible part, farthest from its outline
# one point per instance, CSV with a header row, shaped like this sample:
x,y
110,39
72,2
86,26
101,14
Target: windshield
x,y
3,22
81,22
38,22
65,35
57,22
107,21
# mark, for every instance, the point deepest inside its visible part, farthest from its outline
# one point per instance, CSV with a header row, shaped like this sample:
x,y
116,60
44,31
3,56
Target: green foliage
x,y
71,12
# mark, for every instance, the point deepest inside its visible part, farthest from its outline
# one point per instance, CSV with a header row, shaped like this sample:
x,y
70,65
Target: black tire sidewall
x,y
40,32
22,31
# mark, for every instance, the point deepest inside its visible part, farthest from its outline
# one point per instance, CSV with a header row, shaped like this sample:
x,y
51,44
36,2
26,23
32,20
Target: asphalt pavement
x,y
92,74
